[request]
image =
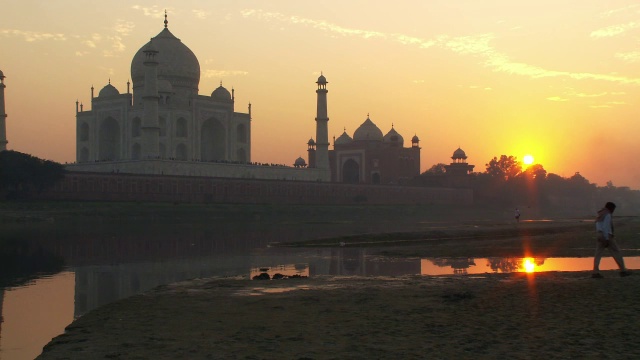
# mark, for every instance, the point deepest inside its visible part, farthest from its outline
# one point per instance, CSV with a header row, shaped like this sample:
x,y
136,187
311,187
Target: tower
x,y
322,131
3,116
150,124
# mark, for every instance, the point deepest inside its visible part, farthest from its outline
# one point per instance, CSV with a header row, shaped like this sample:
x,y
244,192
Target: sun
x,y
528,159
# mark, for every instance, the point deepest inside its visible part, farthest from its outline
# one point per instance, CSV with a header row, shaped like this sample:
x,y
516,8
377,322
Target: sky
x,y
559,80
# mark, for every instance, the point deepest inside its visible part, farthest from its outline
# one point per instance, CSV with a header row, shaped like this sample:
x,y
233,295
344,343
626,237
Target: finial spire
x,y
166,22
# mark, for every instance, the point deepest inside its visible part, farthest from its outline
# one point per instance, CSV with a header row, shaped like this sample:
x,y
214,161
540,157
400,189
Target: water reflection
x,y
50,303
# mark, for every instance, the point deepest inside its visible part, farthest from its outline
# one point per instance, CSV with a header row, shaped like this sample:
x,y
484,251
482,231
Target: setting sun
x,y
529,265
528,160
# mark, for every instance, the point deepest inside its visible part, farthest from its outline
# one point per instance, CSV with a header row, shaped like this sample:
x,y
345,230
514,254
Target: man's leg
x,y
617,256
600,245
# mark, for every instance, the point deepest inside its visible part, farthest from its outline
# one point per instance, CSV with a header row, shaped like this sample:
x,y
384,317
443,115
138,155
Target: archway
x,y
181,152
162,123
181,128
212,141
162,151
84,132
136,152
136,125
350,172
241,133
109,140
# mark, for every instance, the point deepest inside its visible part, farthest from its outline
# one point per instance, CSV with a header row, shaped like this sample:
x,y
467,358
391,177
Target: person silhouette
x,y
605,239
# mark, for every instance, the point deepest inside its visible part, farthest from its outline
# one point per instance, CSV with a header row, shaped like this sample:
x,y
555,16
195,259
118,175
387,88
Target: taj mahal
x,y
161,125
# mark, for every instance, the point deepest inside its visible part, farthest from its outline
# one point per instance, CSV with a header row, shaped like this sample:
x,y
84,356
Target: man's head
x,y
610,206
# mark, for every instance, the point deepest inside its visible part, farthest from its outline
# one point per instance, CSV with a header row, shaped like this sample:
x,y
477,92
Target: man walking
x,y
604,233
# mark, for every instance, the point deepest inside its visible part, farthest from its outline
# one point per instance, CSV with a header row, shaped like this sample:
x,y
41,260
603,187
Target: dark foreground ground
x,y
552,315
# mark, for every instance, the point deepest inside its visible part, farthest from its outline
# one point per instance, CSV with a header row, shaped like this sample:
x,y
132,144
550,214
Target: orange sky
x,y
558,80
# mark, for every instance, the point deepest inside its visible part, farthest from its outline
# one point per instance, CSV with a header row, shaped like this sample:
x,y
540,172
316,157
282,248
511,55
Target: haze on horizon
x,y
557,80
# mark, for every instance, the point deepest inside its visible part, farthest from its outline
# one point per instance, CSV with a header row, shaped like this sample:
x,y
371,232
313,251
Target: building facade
x,y
164,117
162,125
371,157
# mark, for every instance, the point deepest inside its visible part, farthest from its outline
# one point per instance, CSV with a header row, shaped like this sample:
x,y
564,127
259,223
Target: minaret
x,y
322,131
3,116
150,125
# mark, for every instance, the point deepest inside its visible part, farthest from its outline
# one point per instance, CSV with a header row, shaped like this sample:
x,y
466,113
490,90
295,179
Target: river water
x,y
83,272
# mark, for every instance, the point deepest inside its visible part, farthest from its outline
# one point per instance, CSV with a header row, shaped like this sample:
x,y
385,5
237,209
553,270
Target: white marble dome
x,y
108,90
176,62
220,93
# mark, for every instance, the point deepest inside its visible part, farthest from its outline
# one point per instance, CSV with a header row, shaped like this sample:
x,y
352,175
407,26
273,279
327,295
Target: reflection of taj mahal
x,y
163,126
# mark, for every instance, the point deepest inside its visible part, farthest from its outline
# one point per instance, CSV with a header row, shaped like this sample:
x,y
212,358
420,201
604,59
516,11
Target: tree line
x,y
505,182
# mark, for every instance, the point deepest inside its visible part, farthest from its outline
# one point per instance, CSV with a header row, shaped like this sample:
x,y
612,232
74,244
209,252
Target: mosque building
x,y
370,157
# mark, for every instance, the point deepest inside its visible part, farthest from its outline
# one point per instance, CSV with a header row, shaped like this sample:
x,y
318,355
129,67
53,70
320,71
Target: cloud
x,y
614,30
154,11
629,57
623,10
124,28
224,73
201,14
31,36
475,45
591,95
556,98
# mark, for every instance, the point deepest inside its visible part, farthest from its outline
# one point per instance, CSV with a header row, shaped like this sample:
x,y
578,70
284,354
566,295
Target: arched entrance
x,y
212,141
109,140
350,172
136,152
181,152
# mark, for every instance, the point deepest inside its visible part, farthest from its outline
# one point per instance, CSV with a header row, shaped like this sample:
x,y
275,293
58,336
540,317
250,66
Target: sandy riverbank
x,y
517,316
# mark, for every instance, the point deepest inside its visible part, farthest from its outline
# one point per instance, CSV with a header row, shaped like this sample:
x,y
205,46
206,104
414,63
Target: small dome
x,y
393,137
321,80
1,73
164,86
415,139
343,139
108,90
311,142
459,154
300,162
368,131
221,93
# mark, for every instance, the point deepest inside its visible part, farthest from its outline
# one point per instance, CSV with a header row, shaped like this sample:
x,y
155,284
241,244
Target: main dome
x,y
176,62
368,131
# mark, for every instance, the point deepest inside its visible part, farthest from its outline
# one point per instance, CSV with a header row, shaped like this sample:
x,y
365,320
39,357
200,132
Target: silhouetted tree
x,y
436,169
21,174
506,168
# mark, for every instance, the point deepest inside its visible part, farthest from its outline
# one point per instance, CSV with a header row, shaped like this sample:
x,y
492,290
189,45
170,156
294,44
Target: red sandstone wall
x,y
127,187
